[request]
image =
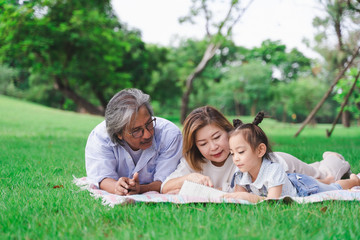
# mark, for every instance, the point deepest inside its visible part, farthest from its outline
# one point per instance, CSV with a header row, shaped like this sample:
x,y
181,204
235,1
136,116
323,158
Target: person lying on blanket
x,y
206,158
132,151
259,178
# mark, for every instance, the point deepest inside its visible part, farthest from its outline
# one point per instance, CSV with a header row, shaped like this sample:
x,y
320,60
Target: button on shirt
x,y
105,159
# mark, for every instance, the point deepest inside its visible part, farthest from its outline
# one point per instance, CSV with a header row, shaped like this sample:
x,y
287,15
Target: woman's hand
x,y
199,178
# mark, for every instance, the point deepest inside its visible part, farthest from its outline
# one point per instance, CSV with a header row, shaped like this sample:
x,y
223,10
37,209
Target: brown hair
x,y
252,133
197,119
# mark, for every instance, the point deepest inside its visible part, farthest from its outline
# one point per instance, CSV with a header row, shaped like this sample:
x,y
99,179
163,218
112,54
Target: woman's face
x,y
213,144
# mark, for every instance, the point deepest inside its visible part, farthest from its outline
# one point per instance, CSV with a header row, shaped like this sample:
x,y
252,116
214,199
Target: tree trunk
x,y
317,107
237,108
337,26
81,102
208,55
345,118
284,115
253,108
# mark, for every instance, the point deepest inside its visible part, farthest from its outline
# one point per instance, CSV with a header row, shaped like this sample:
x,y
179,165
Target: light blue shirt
x,y
105,159
271,174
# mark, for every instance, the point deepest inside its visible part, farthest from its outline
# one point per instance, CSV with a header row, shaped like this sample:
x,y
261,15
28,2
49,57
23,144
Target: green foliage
x,y
289,64
342,89
248,80
336,34
41,148
77,46
300,97
246,85
7,83
76,54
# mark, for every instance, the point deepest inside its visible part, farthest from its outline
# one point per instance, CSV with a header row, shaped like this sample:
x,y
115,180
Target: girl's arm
x,y
274,192
241,193
245,196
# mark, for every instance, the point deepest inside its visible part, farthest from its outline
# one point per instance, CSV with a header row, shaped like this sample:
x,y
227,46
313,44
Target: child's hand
x,y
237,195
199,178
244,196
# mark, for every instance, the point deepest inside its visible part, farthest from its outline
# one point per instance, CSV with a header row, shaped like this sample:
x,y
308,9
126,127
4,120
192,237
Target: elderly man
x,y
132,151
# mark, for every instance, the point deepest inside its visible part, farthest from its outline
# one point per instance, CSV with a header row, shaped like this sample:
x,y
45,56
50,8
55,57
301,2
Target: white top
x,y
271,174
220,176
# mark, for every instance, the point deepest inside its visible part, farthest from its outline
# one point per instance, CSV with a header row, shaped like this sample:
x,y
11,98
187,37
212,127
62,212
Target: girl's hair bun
x,y
259,117
237,123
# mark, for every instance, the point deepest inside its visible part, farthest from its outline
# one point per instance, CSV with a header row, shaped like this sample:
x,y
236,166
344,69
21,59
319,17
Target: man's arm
x,y
128,186
154,186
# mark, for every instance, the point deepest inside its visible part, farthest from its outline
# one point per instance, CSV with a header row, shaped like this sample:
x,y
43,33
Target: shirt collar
x,y
246,178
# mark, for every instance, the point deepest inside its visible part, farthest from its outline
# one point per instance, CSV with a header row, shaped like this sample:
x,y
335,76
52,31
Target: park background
x,y
74,55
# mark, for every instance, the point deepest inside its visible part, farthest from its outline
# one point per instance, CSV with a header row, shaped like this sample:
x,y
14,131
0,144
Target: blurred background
x,y
239,56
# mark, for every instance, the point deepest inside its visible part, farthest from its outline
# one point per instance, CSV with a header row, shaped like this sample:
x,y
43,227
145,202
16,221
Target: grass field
x,y
42,148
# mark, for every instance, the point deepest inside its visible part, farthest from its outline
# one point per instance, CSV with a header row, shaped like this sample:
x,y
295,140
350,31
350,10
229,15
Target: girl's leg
x,y
294,165
349,183
329,187
327,180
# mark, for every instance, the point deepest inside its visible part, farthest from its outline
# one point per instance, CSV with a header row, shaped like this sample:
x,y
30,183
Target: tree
x,y
344,87
164,87
78,47
216,33
288,64
341,23
7,76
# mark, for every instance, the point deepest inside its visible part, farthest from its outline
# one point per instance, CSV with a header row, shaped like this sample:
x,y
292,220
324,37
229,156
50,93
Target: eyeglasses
x,y
139,132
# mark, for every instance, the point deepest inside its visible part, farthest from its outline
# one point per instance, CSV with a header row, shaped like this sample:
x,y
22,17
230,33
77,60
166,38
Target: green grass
x,y
41,148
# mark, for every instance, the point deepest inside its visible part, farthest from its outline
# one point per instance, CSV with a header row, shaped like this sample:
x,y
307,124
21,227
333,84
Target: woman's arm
x,y
174,185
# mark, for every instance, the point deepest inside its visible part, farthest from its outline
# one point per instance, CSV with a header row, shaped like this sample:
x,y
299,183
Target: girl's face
x,y
213,144
243,155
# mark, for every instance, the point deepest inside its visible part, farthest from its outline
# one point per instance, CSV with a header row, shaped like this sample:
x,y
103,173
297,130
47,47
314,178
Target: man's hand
x,y
134,185
127,186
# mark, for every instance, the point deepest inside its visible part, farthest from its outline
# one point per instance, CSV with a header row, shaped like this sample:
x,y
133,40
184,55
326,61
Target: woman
x,y
206,158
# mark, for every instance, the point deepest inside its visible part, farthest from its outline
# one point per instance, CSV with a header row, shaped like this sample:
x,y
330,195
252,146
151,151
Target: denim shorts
x,y
306,185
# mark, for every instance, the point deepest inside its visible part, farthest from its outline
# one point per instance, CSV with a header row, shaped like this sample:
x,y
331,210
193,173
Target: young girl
x,y
259,178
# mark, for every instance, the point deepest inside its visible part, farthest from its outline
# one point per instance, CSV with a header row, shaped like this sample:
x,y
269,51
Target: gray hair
x,y
121,107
